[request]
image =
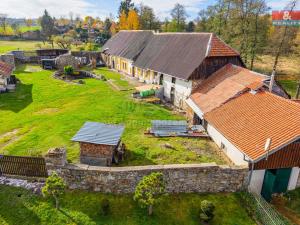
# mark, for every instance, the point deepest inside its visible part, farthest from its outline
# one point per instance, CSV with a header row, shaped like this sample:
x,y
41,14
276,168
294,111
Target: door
x,y
275,181
161,79
172,95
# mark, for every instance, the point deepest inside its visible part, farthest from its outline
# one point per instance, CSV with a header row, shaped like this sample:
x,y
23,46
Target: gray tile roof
x,y
175,54
99,133
127,44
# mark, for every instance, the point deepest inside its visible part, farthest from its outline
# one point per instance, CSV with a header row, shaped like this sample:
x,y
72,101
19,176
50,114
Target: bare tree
x,y
291,6
179,15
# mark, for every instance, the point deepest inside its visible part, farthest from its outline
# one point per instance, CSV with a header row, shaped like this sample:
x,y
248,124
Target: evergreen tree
x,y
126,6
190,27
47,24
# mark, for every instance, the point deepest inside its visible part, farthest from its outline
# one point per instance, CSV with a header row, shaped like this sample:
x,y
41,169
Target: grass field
x,y
7,46
288,70
18,206
45,112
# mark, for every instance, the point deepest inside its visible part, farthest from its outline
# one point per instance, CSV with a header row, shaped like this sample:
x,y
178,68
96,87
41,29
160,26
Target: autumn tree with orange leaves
x,y
133,20
130,22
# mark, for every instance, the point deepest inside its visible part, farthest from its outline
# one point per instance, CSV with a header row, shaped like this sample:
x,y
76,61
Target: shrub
x,y
55,187
68,70
105,207
148,190
207,211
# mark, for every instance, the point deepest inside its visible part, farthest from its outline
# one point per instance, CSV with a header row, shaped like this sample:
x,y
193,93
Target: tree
x,y
47,24
29,22
286,34
54,187
207,211
63,42
148,191
113,28
16,28
107,26
190,27
123,21
133,20
126,6
242,24
3,18
148,20
179,15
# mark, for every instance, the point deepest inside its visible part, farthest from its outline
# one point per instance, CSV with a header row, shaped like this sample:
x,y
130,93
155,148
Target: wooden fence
x,y
23,166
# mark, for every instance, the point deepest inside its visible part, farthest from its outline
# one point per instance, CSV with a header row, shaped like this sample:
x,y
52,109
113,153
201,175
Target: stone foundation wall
x,y
196,178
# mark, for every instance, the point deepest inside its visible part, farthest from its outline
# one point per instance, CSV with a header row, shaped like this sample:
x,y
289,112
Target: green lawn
x,y
18,206
32,28
290,86
45,112
293,201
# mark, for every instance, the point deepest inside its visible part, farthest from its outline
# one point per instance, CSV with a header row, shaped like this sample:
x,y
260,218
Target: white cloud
x,y
57,8
280,5
163,7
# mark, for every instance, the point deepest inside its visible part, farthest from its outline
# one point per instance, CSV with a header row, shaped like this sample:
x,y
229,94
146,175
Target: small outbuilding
x,y
100,144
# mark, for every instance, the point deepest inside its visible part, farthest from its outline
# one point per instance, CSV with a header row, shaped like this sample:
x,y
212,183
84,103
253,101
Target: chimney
x,y
272,81
298,91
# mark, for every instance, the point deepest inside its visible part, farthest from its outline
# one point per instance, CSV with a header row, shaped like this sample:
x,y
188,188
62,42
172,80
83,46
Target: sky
x,y
103,8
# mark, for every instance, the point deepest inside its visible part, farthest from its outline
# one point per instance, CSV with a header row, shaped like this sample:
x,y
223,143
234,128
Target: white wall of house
x,y
257,180
293,182
182,88
229,149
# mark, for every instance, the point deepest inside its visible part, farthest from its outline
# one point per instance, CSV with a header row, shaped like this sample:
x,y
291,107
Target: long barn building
x,y
179,62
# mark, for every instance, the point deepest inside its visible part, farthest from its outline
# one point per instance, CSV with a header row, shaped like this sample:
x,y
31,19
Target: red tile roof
x,y
220,48
5,69
224,85
250,119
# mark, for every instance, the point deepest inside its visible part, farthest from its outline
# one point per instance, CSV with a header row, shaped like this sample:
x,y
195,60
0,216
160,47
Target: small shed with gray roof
x,y
100,144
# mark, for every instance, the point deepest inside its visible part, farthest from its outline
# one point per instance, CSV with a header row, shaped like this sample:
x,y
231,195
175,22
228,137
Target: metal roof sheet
x,y
99,133
127,44
168,126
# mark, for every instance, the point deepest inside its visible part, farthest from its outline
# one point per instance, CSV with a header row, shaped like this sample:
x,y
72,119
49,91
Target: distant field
x,y
32,28
6,46
288,70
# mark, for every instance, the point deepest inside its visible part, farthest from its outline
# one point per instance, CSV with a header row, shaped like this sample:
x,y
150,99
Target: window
x,y
223,147
173,80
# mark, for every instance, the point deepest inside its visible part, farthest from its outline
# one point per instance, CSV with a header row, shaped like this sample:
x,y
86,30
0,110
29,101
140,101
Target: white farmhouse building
x,y
178,62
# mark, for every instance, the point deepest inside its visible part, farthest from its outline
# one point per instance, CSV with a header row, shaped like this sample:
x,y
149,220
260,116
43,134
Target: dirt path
x,y
279,204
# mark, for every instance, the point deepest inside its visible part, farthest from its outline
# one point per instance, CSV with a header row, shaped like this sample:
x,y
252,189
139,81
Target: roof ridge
x,y
189,33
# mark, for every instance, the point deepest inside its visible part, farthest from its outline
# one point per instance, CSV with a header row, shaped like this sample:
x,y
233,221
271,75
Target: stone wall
x,y
196,178
66,60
